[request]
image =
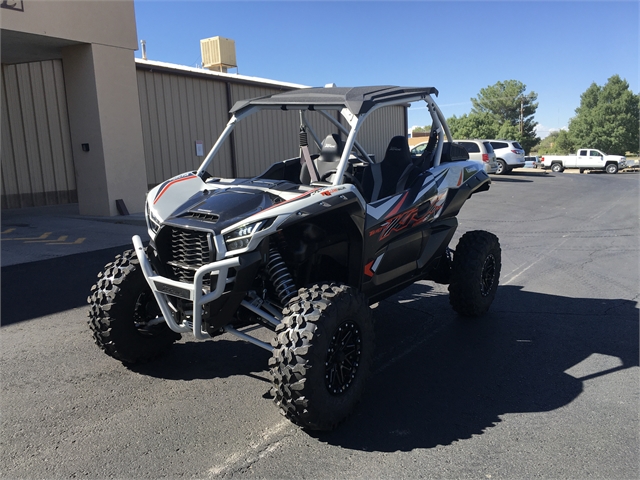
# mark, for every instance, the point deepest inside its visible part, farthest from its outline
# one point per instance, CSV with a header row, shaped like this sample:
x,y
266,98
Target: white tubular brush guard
x,y
191,291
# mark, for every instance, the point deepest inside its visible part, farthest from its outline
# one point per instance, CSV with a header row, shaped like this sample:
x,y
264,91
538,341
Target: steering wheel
x,y
350,178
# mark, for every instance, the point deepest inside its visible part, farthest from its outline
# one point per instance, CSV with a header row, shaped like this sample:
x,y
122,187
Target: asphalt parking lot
x,y
544,386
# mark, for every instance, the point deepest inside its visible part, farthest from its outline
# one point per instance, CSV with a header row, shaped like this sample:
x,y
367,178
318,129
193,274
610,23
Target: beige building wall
x,y
128,128
179,106
37,164
95,40
104,114
417,138
265,137
177,111
107,22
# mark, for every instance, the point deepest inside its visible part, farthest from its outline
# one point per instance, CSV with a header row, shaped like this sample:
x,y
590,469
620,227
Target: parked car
x,y
585,159
531,162
632,165
481,151
418,149
509,155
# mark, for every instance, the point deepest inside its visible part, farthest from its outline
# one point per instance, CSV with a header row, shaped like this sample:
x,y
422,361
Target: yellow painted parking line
x,y
27,239
77,242
61,238
44,238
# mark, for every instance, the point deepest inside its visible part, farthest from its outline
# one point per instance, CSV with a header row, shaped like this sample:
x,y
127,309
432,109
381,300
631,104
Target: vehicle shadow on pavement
x,y
463,378
195,360
510,180
36,289
529,172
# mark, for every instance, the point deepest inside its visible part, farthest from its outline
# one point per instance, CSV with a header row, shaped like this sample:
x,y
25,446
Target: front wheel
x,y
122,313
475,273
322,355
611,168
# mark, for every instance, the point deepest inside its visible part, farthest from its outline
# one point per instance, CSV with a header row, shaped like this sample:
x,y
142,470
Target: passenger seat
x,y
393,174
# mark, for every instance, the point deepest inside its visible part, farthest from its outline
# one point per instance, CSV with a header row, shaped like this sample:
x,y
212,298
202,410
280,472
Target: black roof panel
x,y
357,99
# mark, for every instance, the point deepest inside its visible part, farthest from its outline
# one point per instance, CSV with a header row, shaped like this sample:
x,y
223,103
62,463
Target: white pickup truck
x,y
584,159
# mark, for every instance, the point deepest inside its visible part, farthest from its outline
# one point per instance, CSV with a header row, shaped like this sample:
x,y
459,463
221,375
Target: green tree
x,y
425,129
546,144
496,113
512,109
607,118
480,125
565,143
559,143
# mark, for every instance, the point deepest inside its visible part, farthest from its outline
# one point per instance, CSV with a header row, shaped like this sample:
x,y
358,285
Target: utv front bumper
x,y
163,287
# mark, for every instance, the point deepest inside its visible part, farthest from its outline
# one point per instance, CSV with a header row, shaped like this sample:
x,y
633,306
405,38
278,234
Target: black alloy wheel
x,y
343,358
488,275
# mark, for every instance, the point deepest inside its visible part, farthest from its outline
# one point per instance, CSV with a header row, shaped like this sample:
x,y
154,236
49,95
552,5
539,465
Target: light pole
x,y
521,116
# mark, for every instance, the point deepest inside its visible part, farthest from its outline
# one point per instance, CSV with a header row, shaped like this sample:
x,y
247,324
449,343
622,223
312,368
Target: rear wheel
x,y
611,168
502,167
475,273
124,313
557,168
322,355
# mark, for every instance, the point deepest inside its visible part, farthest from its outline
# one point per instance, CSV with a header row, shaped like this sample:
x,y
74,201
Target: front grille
x,y
190,250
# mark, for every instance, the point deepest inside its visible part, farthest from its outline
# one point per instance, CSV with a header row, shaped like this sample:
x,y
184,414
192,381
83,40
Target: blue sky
x,y
557,49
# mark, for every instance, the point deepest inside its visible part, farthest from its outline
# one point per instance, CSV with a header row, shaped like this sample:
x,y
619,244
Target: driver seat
x,y
330,153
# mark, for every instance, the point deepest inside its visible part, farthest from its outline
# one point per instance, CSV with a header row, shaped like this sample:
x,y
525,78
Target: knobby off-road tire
x,y
121,304
475,273
322,355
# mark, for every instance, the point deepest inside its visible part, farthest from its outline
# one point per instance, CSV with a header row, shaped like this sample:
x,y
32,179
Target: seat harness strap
x,y
305,156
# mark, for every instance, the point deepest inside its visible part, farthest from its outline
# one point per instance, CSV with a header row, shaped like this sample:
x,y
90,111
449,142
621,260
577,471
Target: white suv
x,y
509,155
481,151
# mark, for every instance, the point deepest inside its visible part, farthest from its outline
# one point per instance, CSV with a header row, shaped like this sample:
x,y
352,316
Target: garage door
x,y
37,163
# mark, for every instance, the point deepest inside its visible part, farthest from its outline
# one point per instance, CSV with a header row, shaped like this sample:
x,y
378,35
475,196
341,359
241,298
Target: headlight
x,y
240,237
153,221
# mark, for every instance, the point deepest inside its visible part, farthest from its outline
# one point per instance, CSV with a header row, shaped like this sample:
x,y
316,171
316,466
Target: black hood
x,y
215,210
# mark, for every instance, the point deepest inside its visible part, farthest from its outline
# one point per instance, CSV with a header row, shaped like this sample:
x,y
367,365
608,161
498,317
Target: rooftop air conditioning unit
x,y
218,53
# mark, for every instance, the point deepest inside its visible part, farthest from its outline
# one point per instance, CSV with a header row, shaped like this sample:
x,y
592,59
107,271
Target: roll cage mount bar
x,y
439,125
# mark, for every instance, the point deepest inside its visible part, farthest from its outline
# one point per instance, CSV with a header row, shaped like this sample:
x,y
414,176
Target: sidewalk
x,y
40,233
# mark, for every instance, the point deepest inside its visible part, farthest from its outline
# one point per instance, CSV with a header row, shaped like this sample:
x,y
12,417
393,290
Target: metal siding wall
x,y
265,137
177,110
381,126
37,163
271,136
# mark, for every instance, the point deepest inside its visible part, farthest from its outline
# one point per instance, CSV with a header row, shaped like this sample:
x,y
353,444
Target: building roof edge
x,y
221,75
